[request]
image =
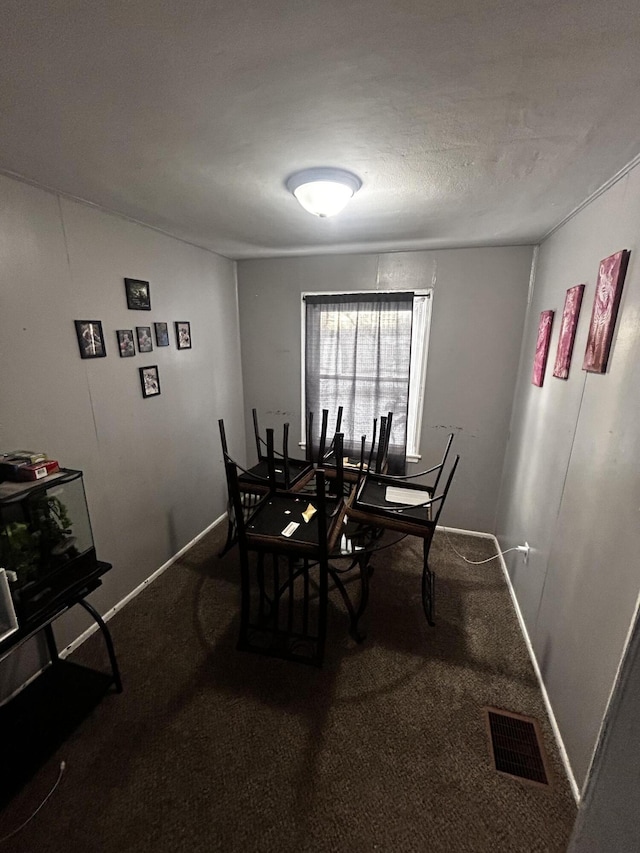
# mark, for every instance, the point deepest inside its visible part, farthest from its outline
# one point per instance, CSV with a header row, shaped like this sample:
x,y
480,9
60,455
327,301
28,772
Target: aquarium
x,y
46,543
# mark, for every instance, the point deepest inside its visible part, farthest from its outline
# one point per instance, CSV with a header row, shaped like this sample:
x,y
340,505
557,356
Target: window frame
x,y
418,364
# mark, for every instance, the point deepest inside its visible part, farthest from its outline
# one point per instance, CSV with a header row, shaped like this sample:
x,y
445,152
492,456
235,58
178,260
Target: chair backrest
x,y
440,499
285,456
256,433
242,509
324,450
383,443
440,467
379,448
251,475
223,437
323,437
338,451
271,459
436,469
331,447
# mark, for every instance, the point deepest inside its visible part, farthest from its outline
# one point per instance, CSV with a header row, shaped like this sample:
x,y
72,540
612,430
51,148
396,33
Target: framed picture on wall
x,y
138,294
605,310
570,313
150,381
162,334
542,347
183,335
125,343
143,333
90,338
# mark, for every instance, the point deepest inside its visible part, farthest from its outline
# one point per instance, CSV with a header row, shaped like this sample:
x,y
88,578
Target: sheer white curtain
x,y
358,355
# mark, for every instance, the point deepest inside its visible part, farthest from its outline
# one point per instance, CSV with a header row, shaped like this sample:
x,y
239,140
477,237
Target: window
x,y
368,353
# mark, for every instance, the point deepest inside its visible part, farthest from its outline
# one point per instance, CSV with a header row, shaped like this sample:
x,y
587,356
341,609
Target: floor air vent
x,y
515,744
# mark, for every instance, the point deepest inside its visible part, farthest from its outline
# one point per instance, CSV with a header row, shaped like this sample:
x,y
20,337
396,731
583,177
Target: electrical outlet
x,y
524,550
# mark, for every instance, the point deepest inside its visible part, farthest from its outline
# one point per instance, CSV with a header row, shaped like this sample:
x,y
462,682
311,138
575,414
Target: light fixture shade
x,y
323,192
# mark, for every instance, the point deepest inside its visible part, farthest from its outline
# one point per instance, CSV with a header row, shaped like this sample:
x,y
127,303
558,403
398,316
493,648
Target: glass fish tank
x,y
46,542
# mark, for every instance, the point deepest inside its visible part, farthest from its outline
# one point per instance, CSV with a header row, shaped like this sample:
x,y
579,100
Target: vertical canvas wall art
x,y
542,347
605,310
570,313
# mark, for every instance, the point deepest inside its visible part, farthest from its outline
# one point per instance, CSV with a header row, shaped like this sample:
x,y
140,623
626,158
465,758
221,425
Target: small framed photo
x,y
145,343
125,343
150,381
90,338
138,294
183,335
162,334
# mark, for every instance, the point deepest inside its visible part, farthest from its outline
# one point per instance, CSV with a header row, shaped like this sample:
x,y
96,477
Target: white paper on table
x,y
410,497
290,529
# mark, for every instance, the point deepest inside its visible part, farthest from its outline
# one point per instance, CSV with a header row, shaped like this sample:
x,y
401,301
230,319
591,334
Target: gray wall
x,y
153,471
478,316
608,816
571,486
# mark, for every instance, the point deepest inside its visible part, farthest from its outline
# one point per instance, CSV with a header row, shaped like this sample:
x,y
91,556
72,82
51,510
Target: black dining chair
x,y
273,471
411,508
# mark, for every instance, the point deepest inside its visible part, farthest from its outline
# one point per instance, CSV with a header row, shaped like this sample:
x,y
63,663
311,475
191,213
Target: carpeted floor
x,y
384,749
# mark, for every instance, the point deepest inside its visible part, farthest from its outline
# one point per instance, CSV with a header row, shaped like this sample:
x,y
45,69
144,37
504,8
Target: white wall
x,y
153,468
571,484
478,316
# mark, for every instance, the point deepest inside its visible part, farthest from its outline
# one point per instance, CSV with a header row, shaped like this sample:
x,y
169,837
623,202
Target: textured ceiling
x,y
470,122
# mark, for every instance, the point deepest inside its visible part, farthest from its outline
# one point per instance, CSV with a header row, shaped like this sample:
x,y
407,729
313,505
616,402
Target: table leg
x,y
428,585
354,614
108,642
51,643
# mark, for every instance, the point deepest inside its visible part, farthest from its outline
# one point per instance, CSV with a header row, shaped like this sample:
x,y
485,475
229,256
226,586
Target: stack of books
x,y
27,465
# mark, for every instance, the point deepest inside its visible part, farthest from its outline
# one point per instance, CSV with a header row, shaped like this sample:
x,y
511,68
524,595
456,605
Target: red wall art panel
x,y
570,313
542,347
605,310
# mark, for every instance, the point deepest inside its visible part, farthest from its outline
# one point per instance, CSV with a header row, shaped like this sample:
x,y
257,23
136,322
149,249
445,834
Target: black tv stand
x,y
36,721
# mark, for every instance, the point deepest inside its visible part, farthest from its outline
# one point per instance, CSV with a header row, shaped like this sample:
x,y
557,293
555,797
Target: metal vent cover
x,y
516,746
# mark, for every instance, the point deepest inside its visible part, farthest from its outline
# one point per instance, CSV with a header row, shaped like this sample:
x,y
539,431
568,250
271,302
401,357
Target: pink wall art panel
x,y
542,347
605,310
570,313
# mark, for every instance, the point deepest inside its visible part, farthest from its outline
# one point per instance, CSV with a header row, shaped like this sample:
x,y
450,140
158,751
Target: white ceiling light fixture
x,y
323,192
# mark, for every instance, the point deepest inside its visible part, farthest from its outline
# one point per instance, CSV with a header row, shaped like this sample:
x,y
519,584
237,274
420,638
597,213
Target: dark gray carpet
x,y
384,749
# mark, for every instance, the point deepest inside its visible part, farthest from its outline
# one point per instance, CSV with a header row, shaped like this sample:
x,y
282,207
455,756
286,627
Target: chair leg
x,y
354,613
428,586
231,537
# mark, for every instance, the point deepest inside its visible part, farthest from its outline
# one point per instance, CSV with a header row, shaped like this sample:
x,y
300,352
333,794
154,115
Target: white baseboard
x,y
552,718
445,527
24,684
93,628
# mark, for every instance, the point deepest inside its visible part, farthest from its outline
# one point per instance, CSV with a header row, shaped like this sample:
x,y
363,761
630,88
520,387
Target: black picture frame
x,y
162,334
183,334
126,345
138,294
143,336
90,339
150,380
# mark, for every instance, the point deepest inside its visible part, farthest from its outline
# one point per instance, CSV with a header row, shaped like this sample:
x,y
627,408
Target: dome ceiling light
x,y
323,192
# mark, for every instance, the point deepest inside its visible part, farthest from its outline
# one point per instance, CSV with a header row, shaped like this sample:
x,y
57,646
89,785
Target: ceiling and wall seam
x,y
79,200
594,195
